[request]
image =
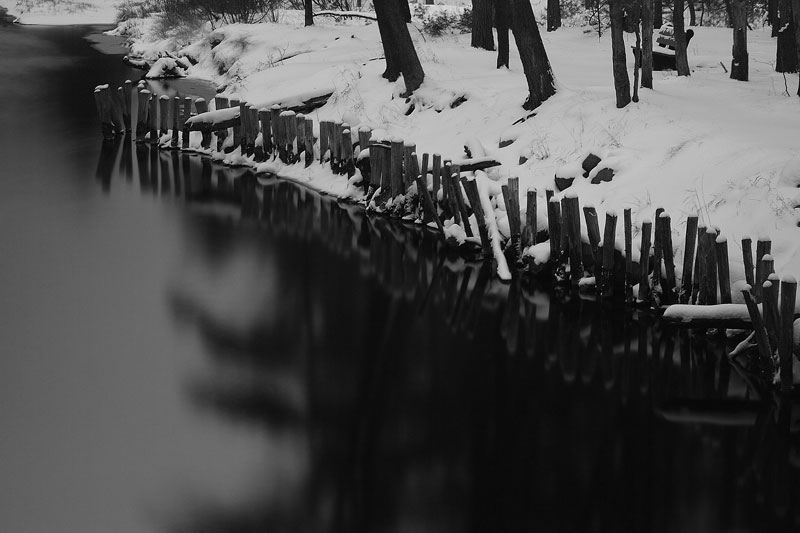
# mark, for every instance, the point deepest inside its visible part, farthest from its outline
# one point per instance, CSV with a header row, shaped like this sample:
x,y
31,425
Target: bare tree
x,y
647,44
786,59
501,9
658,14
482,36
796,12
398,48
309,12
681,59
541,84
553,15
740,61
622,85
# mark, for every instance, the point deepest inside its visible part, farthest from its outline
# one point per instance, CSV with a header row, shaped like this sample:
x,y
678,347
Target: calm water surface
x,y
184,349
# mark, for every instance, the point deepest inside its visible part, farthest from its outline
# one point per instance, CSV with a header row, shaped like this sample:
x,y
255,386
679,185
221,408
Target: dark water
x,y
185,348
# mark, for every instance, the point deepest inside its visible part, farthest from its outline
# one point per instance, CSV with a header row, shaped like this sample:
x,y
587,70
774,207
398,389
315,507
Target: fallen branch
x,y
348,14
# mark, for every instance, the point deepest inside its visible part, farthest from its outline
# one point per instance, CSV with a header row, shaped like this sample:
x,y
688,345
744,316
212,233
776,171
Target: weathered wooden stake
x,y
747,259
103,103
762,339
152,118
176,118
609,244
668,287
763,247
723,269
437,169
530,218
252,113
348,166
396,167
124,108
336,146
237,132
275,125
699,264
202,107
187,113
455,188
767,268
309,140
644,262
554,229
364,134
422,190
688,258
471,188
788,295
408,175
128,88
572,227
769,290
163,113
266,131
593,230
143,97
290,132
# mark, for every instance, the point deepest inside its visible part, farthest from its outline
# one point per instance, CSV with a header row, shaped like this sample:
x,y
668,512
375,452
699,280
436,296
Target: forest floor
x,y
703,144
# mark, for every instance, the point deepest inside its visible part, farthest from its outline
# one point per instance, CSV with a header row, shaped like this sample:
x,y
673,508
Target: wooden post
x,y
763,247
762,340
152,118
455,188
309,140
769,290
124,109
593,230
290,124
628,253
408,176
669,263
176,118
237,132
220,102
364,134
747,259
275,124
323,139
723,269
688,258
422,190
336,146
266,131
767,268
163,112
187,113
437,168
143,97
396,167
374,162
708,273
471,188
348,166
788,295
448,184
252,115
300,120
699,264
530,218
572,227
554,229
511,198
103,103
644,262
202,107
128,95
424,168
609,242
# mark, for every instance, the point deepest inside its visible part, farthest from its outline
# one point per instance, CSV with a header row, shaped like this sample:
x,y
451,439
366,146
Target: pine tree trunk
x,y
482,36
739,64
772,16
622,84
309,12
692,13
647,44
401,57
786,60
501,21
728,14
532,54
681,60
658,14
553,15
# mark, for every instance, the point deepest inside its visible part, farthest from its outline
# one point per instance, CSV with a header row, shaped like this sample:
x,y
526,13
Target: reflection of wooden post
x,y
688,258
788,295
644,262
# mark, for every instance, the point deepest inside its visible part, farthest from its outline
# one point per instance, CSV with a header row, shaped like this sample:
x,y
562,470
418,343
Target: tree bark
x,y
622,84
482,36
553,15
796,14
401,57
501,22
681,60
309,12
786,60
728,14
772,16
658,15
647,44
535,63
692,13
739,64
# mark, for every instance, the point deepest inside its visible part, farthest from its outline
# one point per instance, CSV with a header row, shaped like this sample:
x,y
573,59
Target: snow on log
x,y
348,14
734,316
728,412
478,163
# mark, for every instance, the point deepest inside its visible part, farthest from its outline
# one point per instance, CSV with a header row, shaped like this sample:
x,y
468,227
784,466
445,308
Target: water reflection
x,y
407,389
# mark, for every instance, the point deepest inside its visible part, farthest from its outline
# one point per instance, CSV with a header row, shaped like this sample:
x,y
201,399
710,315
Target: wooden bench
x,y
663,53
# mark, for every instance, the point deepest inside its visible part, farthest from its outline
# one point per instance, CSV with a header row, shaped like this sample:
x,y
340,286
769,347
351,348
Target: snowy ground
x,y
62,12
706,144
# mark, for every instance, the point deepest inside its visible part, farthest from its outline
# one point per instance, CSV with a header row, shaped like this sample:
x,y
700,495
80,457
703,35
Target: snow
x,y
687,313
62,12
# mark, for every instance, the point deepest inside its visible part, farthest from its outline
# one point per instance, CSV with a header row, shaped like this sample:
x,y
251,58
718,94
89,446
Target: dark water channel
x,y
186,348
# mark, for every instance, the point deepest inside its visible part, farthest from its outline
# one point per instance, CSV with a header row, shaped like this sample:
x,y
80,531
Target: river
x,y
173,358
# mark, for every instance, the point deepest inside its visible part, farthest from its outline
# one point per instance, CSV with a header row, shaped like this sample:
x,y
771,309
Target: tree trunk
x,y
681,60
647,44
728,14
658,14
541,84
482,36
786,60
692,13
622,85
553,15
637,65
501,22
739,64
796,13
401,57
309,8
772,16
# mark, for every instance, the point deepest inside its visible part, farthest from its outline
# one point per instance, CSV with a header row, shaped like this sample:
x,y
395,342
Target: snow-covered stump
x,y
202,107
572,227
471,188
788,296
309,141
436,174
644,262
396,167
628,222
529,235
364,135
142,98
455,187
152,118
176,115
348,165
427,203
688,259
163,115
593,231
747,260
723,269
609,243
763,247
554,229
187,114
